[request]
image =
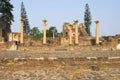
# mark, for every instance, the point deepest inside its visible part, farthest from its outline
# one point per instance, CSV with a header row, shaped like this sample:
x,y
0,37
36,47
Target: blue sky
x,y
59,11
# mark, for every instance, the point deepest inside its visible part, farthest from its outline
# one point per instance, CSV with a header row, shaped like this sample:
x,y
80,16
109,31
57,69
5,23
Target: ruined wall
x,y
85,43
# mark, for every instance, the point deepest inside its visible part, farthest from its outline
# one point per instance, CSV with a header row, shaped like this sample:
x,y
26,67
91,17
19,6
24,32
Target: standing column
x,y
76,31
97,32
44,31
22,31
70,34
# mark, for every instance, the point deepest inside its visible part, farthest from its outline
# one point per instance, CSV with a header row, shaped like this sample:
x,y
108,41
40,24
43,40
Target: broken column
x,y
22,31
76,31
97,32
83,30
70,34
44,31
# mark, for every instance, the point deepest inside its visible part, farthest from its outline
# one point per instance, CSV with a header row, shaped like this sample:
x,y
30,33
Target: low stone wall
x,y
53,48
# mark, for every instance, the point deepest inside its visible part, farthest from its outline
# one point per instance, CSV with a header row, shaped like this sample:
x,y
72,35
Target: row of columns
x,y
75,25
22,31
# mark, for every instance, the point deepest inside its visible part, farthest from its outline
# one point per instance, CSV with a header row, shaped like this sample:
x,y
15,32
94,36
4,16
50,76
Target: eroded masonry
x,y
74,37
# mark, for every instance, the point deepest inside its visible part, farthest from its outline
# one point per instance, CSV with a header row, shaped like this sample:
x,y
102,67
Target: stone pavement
x,y
60,65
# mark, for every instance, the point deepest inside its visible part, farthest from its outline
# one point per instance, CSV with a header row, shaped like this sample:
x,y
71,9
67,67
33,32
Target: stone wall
x,y
85,43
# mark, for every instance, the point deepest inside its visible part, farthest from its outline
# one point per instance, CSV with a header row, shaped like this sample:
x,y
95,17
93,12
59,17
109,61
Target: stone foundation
x,y
57,65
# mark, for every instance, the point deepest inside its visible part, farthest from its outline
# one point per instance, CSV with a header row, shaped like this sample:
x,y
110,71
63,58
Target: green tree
x,y
87,19
35,32
52,32
24,16
6,9
59,34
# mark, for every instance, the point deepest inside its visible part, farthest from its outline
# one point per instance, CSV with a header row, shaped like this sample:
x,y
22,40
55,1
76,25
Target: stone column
x,y
22,31
97,32
70,34
53,31
76,31
44,31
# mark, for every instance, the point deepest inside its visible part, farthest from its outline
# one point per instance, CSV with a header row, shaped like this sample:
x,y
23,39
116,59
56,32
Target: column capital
x,y
22,19
81,24
75,21
69,26
44,21
97,21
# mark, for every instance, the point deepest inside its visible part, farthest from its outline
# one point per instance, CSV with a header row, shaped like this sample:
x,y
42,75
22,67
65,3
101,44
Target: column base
x,y
97,44
44,43
70,44
22,44
76,44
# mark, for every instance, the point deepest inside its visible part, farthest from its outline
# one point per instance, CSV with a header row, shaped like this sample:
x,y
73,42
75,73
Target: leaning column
x,y
44,31
22,31
76,31
97,32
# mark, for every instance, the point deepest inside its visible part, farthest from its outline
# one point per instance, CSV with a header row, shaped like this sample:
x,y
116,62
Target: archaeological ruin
x,y
73,56
74,37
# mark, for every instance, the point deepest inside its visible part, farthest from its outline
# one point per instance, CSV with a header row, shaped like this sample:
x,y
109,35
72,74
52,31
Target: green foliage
x,y
59,34
35,32
52,30
24,16
87,19
6,9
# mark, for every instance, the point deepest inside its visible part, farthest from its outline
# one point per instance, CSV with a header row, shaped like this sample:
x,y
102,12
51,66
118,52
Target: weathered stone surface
x,y
59,65
118,47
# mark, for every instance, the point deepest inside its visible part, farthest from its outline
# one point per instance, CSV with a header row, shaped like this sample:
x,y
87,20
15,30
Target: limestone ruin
x,y
74,37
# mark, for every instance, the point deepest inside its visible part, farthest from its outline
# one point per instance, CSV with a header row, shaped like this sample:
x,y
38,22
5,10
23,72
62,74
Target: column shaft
x,y
97,32
70,34
76,31
22,32
44,31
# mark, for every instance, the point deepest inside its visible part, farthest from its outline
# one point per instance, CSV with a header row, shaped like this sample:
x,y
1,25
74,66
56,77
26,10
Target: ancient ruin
x,y
72,54
74,37
73,33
